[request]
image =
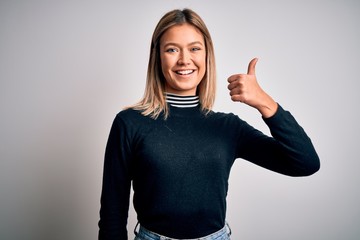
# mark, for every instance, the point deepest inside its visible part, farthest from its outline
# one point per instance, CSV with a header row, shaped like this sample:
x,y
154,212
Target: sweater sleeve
x,y
116,184
289,151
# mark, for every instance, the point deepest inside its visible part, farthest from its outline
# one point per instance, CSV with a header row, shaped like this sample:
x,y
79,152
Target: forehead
x,y
182,34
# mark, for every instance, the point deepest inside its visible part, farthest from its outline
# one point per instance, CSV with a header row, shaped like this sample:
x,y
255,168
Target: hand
x,y
245,88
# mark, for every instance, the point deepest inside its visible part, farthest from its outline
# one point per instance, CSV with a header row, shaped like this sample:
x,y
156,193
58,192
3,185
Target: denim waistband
x,y
144,234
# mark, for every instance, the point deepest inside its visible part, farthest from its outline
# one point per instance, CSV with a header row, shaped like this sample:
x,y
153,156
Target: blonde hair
x,y
153,102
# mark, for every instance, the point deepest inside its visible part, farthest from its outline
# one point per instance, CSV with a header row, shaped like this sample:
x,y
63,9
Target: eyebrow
x,y
175,44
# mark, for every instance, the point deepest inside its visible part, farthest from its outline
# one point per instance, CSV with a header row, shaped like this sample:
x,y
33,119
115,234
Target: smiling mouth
x,y
184,72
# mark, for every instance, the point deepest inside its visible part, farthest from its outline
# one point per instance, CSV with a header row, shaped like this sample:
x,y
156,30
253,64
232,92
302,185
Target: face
x,y
183,59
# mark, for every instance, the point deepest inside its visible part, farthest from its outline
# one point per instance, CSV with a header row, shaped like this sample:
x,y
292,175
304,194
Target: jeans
x,y
144,234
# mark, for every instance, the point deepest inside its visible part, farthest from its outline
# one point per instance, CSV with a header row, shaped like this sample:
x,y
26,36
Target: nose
x,y
184,58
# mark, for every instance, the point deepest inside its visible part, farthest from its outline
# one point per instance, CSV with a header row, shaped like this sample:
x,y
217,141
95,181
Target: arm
x,y
290,151
116,185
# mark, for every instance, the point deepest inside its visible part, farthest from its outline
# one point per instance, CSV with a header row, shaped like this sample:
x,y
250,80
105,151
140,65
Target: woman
x,y
178,153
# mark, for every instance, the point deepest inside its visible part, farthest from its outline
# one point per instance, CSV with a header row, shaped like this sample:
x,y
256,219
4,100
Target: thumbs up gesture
x,y
245,88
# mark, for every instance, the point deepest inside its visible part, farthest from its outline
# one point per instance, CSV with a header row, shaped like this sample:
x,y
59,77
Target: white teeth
x,y
184,72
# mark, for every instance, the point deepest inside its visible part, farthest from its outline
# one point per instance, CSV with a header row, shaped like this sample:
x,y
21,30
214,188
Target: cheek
x,y
201,60
165,65
203,70
202,63
166,70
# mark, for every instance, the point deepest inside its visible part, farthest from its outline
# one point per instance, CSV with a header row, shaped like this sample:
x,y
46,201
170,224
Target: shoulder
x,y
226,120
128,113
132,117
223,116
130,123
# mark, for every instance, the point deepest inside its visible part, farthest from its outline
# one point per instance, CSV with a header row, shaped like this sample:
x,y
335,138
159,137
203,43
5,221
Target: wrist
x,y
268,108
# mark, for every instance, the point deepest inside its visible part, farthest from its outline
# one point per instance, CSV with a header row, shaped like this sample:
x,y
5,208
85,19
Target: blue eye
x,y
195,49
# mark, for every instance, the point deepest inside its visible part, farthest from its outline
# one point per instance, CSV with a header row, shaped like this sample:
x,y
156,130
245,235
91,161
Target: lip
x,y
184,72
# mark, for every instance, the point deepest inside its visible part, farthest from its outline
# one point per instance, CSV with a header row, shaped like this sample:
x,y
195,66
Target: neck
x,y
181,101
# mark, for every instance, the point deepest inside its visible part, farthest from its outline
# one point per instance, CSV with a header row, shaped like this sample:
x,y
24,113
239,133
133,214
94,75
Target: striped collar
x,y
181,101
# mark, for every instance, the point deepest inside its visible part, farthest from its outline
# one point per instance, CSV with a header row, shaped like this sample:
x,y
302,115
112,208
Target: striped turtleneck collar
x,y
181,101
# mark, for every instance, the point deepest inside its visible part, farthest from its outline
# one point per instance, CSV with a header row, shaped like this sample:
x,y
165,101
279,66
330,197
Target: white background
x,y
67,67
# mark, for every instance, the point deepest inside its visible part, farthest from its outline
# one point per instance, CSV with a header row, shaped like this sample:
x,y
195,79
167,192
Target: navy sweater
x,y
180,167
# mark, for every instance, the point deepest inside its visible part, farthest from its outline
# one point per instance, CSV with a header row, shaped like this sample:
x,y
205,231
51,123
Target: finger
x,y
235,91
236,77
233,78
238,98
251,67
233,85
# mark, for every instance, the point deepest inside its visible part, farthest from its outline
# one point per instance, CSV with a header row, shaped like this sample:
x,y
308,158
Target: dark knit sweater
x,y
180,167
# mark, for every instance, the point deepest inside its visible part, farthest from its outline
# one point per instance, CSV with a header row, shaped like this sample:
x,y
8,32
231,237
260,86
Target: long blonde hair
x,y
153,102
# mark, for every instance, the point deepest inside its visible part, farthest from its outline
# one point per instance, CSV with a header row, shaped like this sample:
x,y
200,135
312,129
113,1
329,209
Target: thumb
x,y
251,67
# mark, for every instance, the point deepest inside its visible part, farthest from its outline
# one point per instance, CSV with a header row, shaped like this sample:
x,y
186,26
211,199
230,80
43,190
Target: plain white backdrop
x,y
67,67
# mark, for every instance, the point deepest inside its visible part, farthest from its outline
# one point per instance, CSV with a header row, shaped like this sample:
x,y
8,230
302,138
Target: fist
x,y
245,88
